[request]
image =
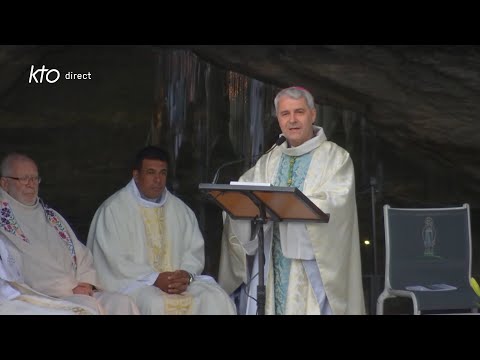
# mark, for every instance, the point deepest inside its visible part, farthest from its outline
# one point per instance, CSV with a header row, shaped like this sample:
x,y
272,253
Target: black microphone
x,y
281,139
279,142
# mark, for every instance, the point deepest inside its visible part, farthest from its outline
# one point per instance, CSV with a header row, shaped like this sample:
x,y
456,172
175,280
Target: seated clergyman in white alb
x,y
17,298
146,243
54,261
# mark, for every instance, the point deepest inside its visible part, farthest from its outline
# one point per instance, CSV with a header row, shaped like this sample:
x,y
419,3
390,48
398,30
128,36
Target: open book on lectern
x,y
280,203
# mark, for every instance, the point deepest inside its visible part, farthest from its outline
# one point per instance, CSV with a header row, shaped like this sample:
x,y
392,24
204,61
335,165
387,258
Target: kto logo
x,y
51,75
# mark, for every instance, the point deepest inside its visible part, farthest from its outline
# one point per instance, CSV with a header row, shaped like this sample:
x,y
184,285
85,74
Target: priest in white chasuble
x,y
146,243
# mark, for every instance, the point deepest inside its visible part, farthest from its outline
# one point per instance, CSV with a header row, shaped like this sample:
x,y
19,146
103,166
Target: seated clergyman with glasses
x,y
55,262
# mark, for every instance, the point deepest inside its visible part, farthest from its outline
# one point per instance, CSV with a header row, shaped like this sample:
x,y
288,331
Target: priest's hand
x,y
162,281
178,282
83,289
175,282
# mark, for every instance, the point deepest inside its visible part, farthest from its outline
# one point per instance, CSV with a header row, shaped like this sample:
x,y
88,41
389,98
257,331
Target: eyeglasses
x,y
26,179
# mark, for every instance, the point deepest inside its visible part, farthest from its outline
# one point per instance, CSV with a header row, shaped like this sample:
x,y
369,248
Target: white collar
x,y
132,187
307,146
15,202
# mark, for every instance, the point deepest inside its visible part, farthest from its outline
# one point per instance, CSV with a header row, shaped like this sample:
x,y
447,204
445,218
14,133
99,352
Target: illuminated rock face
x,y
407,114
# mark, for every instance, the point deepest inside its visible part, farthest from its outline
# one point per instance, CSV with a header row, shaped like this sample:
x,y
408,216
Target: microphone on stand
x,y
279,142
217,173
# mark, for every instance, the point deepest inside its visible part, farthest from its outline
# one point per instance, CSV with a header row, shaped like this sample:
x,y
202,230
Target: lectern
x,y
262,204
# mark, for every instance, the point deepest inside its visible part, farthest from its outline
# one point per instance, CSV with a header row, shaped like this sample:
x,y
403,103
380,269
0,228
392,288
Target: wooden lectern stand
x,y
262,204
